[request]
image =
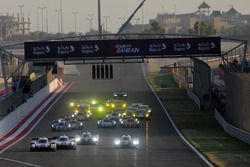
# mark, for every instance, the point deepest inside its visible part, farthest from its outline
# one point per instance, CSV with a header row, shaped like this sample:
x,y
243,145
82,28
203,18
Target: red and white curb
x,y
25,126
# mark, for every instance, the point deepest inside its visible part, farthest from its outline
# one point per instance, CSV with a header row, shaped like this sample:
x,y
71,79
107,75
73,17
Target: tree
x,y
205,29
155,28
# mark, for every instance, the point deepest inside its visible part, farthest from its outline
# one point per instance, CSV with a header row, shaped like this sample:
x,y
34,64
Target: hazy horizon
x,y
112,8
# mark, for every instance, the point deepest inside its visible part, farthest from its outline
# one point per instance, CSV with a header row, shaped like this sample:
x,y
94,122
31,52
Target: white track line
x,y
19,162
173,124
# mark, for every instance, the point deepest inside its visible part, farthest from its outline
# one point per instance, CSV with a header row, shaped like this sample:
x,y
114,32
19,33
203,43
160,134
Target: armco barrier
x,y
231,130
13,118
190,94
193,97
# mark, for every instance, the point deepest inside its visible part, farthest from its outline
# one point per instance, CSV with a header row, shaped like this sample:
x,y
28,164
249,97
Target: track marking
x,y
19,162
173,124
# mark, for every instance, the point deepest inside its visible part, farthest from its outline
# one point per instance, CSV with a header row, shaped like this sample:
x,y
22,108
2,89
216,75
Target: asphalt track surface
x,y
159,143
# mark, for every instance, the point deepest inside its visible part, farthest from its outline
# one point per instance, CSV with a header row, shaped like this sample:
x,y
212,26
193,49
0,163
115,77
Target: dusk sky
x,y
112,8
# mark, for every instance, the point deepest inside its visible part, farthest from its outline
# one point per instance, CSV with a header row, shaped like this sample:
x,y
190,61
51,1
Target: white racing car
x,y
43,144
65,142
106,123
126,141
87,138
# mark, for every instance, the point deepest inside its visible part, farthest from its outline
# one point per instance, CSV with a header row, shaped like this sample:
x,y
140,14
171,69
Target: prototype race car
x,y
65,142
60,125
113,104
87,138
114,116
43,144
106,123
81,116
126,140
120,95
130,122
75,124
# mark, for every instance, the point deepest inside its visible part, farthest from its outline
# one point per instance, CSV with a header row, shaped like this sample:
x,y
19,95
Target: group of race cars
x,y
118,114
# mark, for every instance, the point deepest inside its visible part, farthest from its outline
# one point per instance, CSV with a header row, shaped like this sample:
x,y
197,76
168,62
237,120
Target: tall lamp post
x,y
58,17
90,18
75,14
106,22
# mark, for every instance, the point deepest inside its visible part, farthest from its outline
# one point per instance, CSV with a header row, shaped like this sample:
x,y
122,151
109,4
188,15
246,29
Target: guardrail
x,y
231,130
193,97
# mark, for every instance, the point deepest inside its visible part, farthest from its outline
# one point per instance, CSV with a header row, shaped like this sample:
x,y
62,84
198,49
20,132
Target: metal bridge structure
x,y
12,63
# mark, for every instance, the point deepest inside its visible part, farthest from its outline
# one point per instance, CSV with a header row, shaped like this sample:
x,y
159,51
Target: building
x,y
220,21
11,25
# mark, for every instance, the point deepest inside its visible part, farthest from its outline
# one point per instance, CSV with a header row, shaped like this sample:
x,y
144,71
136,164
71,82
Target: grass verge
x,y
200,128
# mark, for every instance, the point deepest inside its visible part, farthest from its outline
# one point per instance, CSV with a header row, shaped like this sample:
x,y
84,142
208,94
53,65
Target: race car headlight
x,y
93,102
124,105
95,139
138,122
114,122
121,122
98,122
113,105
52,126
69,125
117,142
133,115
124,114
72,104
135,142
77,139
72,143
76,111
33,145
100,109
147,115
115,95
73,115
107,104
149,111
88,115
81,123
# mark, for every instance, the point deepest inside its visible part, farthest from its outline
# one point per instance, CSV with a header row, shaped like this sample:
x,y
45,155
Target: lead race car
x,y
127,141
87,138
65,142
43,144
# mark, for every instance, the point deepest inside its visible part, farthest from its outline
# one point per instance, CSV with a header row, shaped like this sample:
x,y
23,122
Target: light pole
x,y
122,19
106,22
61,12
21,11
37,19
42,9
75,14
21,21
99,18
58,17
47,21
90,18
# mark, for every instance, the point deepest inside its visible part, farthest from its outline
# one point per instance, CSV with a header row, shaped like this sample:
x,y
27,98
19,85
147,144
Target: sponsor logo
x,y
126,48
64,50
88,49
41,50
180,47
205,46
157,47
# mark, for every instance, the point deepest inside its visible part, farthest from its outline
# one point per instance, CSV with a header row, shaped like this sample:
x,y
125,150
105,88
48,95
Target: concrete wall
x,y
237,87
15,99
202,83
